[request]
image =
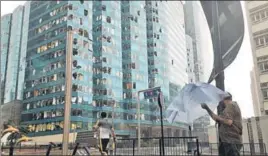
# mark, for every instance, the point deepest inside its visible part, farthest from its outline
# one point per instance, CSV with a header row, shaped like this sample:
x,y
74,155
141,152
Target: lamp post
x,y
68,93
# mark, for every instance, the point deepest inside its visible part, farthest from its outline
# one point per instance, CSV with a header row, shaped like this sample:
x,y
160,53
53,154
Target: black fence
x,y
248,149
152,146
181,146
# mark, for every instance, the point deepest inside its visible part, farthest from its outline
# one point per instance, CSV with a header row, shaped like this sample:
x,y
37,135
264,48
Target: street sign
x,y
151,93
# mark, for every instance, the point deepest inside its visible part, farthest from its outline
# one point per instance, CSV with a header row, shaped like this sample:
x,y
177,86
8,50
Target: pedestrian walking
x,y
230,126
106,131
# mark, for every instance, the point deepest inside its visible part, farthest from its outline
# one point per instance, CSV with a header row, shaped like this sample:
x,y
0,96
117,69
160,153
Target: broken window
x,y
81,21
103,7
75,41
74,75
70,7
80,32
70,17
108,19
74,87
85,34
75,51
109,39
85,12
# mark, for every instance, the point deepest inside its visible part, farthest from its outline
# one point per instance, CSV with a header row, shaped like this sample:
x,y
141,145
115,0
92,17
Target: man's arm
x,y
96,125
216,117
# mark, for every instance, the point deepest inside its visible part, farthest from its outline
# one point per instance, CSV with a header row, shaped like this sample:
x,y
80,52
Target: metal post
x,y
134,146
217,45
160,146
161,103
68,93
197,147
139,123
48,150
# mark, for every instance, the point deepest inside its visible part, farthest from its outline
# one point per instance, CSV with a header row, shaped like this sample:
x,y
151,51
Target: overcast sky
x,y
237,75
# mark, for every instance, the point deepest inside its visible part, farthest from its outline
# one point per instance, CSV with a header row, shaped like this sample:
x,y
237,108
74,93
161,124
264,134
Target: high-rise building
x,y
119,48
5,37
190,59
16,55
257,14
254,90
197,28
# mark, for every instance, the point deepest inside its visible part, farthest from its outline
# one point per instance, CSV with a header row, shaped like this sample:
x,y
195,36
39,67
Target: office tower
x,y
14,30
190,59
197,28
5,36
16,52
44,92
257,14
119,48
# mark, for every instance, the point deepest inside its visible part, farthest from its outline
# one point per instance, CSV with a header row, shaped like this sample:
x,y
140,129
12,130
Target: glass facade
x,y
13,64
197,28
119,48
5,36
23,51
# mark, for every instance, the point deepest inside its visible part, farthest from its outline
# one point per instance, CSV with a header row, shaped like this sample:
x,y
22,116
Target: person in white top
x,y
105,132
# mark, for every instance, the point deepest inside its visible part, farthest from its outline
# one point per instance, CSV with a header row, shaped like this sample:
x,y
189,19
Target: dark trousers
x,y
227,149
104,143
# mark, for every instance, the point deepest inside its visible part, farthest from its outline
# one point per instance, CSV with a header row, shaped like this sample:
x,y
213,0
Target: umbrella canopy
x,y
186,106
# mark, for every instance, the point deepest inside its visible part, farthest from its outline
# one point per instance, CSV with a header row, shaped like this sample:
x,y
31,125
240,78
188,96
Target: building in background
x,y
14,31
5,37
15,54
119,48
257,14
190,59
197,28
200,128
254,93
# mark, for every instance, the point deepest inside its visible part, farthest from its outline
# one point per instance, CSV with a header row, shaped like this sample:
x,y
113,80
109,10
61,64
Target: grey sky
x,y
237,75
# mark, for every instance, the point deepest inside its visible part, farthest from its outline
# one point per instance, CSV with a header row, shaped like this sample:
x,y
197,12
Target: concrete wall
x,y
53,138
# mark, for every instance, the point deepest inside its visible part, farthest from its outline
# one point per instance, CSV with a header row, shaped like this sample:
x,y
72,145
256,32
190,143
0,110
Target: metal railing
x,y
178,146
247,149
152,146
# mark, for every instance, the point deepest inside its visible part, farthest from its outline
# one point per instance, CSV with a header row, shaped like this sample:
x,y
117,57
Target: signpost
x,y
148,93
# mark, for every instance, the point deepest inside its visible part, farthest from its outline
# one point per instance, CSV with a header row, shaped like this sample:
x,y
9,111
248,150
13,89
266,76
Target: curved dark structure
x,y
226,23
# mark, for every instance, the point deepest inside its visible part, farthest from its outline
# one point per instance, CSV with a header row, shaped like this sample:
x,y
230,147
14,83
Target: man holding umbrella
x,y
230,129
